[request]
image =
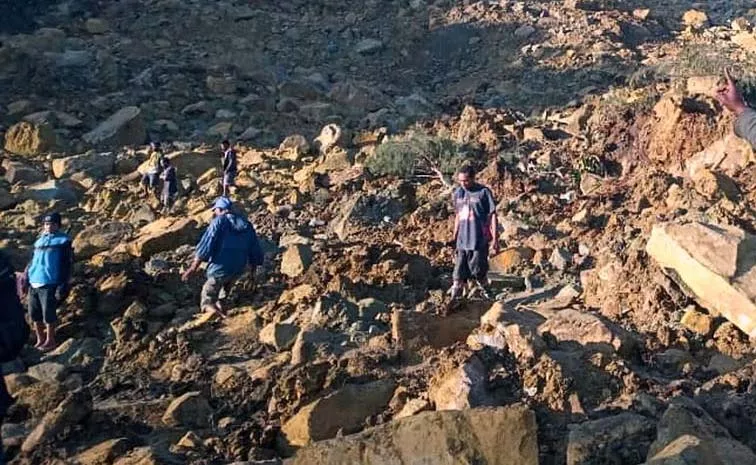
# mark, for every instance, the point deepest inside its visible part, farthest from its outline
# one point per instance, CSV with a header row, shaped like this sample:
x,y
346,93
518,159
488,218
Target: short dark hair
x,y
52,218
226,143
468,170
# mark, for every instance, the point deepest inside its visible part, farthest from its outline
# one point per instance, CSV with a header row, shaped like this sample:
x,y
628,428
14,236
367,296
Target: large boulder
x,y
97,165
48,191
164,234
104,453
296,260
495,436
687,434
622,438
20,173
124,127
74,408
714,264
462,388
27,138
588,330
100,237
7,199
193,164
344,410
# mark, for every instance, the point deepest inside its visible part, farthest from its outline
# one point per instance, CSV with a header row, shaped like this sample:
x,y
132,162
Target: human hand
x,y
61,293
730,97
186,275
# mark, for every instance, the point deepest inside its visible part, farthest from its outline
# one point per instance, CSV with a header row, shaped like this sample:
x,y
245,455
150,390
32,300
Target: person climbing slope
x,y
228,245
151,177
170,185
228,164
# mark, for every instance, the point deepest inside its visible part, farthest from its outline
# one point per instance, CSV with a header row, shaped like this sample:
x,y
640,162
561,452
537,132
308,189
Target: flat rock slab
x,y
714,264
494,436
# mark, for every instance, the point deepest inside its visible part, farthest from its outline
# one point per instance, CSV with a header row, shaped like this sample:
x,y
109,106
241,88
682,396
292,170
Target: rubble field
x,y
623,330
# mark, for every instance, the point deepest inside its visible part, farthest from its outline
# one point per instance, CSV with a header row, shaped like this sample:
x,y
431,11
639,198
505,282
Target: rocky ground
x,y
624,293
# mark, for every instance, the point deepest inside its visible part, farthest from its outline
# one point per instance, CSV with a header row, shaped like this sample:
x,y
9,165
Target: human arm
x,y
66,267
745,126
205,248
492,222
256,256
732,99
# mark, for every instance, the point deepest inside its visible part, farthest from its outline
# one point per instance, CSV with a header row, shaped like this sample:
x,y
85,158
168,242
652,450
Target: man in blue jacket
x,y
228,245
48,276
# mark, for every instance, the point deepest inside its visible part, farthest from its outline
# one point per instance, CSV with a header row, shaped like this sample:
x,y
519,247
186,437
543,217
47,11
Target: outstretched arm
x,y
731,98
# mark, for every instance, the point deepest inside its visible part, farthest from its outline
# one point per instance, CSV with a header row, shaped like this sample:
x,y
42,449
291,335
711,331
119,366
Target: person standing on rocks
x,y
228,245
151,178
48,274
228,163
731,98
475,232
170,185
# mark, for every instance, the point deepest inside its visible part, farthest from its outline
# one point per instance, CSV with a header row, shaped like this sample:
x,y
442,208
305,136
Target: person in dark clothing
x,y
731,98
475,232
228,245
228,163
170,185
11,319
48,275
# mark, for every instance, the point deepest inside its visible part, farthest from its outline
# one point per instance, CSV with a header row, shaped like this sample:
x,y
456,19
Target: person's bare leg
x,y
219,310
50,342
39,332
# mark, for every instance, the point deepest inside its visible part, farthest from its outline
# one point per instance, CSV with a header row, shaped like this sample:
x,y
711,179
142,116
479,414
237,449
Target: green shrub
x,y
417,154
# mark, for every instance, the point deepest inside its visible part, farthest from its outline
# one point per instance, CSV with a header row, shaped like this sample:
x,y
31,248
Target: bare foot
x,y
47,346
215,311
39,343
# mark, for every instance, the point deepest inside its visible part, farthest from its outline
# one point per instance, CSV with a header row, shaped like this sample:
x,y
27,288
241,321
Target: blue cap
x,y
224,203
52,218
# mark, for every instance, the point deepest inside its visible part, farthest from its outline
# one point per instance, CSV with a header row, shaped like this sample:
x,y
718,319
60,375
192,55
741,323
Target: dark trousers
x,y
471,264
43,305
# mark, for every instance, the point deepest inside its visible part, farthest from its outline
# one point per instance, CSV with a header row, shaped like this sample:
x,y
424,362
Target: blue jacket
x,y
229,245
52,259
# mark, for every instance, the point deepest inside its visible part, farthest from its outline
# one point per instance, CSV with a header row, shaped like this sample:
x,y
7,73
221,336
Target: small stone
x,y
189,410
294,147
49,372
525,31
19,107
250,133
413,407
279,335
222,129
697,322
695,19
723,364
368,46
225,114
296,260
96,26
221,84
560,259
741,25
